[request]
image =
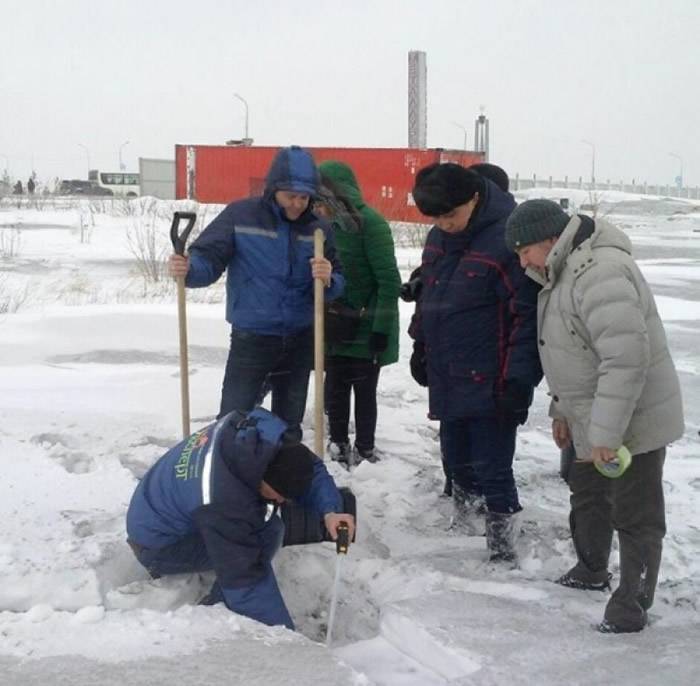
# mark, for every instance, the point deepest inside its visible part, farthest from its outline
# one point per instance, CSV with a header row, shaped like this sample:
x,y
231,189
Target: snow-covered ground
x,y
89,399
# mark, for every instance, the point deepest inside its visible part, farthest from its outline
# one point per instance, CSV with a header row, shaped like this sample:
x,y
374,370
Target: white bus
x,y
120,183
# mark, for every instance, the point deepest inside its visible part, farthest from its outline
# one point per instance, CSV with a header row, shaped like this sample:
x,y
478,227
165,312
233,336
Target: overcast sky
x,y
621,74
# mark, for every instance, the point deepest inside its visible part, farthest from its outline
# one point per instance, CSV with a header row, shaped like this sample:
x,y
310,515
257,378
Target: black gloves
x,y
419,369
514,399
378,342
411,290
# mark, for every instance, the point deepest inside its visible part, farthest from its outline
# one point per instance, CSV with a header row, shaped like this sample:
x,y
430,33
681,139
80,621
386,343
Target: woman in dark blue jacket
x,y
475,339
205,505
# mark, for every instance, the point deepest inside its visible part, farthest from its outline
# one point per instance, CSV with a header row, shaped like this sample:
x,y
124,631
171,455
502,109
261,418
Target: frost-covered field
x,y
89,398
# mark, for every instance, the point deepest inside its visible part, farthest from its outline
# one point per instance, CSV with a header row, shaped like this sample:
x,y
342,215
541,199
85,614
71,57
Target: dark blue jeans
x,y
282,362
478,454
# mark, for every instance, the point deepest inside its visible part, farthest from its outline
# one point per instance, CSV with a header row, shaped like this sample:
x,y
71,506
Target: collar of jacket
x,y
559,255
578,243
495,206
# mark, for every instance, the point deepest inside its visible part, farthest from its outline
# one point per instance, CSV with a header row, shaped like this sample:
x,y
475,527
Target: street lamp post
x,y
679,178
245,104
592,146
121,163
464,128
87,154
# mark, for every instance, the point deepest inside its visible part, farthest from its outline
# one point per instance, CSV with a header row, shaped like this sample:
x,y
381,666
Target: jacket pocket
x,y
579,339
467,372
471,283
473,270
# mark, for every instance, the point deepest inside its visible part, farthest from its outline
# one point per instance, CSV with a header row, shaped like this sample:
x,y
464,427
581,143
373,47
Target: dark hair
x,y
349,209
494,173
439,188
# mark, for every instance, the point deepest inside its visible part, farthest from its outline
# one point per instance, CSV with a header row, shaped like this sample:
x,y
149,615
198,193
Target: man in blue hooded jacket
x,y
211,503
475,332
266,246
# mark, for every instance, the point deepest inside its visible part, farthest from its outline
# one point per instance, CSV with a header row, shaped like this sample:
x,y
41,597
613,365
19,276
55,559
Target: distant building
x,y
157,178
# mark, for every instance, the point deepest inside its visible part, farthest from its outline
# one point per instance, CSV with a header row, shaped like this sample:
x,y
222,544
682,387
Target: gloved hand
x,y
419,369
513,399
411,290
378,342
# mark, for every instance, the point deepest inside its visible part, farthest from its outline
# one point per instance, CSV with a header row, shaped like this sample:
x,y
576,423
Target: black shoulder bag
x,y
342,322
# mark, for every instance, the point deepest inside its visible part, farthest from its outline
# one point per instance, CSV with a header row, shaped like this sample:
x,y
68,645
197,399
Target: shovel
x,y
342,543
179,241
319,350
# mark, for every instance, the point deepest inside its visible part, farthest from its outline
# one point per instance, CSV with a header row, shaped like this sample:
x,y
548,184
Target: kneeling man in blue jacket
x,y
211,503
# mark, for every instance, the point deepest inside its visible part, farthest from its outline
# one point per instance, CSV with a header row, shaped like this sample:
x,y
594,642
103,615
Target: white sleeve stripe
x,y
206,471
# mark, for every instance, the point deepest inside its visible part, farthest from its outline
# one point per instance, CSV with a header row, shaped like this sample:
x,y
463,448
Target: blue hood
x,y
293,169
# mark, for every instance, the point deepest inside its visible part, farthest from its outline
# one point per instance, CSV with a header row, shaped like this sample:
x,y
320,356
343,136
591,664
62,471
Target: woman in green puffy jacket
x,y
366,250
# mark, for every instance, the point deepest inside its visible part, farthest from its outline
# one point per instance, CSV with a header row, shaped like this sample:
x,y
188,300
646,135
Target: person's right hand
x,y
333,519
178,265
561,433
418,363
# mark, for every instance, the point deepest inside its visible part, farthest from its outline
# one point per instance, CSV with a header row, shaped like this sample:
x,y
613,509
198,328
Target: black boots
x,y
585,582
468,512
500,536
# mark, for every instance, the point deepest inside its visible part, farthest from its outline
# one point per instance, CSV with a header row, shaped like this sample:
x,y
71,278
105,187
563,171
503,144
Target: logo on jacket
x,y
194,445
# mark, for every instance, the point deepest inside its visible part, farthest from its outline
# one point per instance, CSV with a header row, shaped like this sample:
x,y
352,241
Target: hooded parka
x,y
369,266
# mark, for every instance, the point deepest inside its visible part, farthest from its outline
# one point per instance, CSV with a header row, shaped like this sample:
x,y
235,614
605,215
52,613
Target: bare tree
x,y
149,244
12,299
10,241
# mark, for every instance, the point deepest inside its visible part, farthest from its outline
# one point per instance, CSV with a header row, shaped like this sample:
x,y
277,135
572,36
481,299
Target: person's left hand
x,y
321,268
333,519
378,342
513,397
602,455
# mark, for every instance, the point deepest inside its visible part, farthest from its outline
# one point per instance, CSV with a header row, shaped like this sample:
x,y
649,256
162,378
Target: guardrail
x,y
521,183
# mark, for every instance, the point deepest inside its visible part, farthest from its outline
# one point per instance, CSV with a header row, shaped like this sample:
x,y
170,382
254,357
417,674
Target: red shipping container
x,y
221,174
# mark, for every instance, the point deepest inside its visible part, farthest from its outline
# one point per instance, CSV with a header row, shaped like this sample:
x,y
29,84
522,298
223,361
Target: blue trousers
x,y
190,554
477,454
282,362
261,600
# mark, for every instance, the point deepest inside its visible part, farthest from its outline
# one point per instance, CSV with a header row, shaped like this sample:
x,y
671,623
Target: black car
x,y
79,187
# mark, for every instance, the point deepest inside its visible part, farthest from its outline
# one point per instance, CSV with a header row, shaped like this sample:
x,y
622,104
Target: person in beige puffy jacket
x,y
612,381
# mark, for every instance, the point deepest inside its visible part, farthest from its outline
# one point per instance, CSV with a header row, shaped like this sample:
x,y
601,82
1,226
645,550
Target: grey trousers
x,y
633,505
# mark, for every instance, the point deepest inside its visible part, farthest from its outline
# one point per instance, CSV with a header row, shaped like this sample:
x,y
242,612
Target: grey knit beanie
x,y
534,221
